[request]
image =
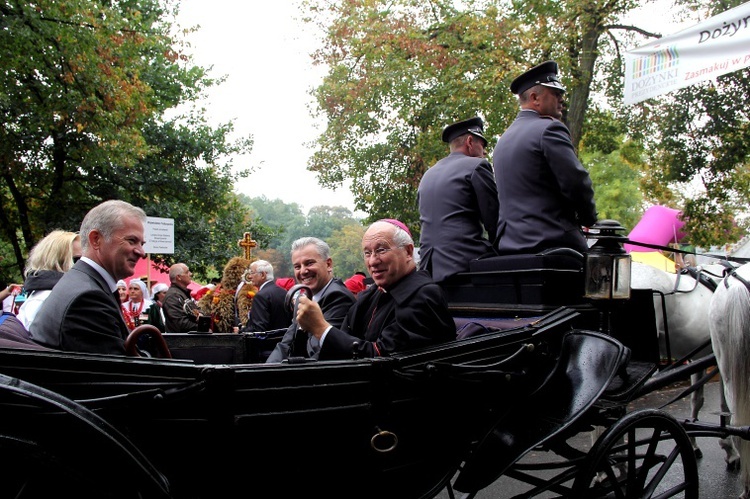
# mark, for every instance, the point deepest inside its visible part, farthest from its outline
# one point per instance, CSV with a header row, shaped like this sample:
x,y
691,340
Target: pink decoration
x,y
659,225
156,275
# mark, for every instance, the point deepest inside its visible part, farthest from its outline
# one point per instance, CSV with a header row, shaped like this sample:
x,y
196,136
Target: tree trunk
x,y
583,76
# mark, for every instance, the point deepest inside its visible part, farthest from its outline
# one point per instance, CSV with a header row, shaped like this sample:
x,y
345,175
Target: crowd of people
x,y
534,195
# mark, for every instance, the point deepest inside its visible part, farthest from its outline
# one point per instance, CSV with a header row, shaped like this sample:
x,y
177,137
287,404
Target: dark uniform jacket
x,y
545,193
81,314
412,314
269,311
457,201
335,302
176,319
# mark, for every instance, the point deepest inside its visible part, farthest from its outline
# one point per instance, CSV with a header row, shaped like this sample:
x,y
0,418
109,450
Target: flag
x,y
714,47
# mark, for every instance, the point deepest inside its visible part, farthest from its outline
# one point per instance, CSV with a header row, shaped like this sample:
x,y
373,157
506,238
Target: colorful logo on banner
x,y
658,62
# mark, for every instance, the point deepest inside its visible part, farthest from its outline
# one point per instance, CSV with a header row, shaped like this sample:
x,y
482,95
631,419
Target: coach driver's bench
x,y
532,285
525,284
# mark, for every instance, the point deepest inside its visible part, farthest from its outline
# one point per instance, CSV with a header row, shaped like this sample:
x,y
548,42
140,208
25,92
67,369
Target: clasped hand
x,y
310,317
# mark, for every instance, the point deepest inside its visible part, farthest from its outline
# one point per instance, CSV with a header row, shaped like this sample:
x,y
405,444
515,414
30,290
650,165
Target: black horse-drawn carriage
x,y
534,363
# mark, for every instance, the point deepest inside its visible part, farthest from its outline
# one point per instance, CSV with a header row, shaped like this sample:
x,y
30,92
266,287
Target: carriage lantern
x,y
607,264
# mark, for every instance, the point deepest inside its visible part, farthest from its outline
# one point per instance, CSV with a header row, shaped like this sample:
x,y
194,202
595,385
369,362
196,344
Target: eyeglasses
x,y
380,252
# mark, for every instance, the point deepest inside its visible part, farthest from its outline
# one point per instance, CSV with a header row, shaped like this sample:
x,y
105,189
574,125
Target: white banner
x,y
714,47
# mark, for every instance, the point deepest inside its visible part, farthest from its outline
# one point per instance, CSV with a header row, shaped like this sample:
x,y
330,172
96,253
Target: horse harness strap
x,y
733,273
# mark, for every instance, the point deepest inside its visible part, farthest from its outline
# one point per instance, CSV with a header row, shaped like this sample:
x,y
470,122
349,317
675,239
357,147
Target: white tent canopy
x,y
716,46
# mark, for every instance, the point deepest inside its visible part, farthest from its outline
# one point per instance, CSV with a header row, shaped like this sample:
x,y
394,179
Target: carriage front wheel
x,y
645,454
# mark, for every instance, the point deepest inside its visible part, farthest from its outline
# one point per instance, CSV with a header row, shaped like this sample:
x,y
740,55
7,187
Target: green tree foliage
x,y
346,250
400,70
336,225
616,183
698,154
614,166
84,88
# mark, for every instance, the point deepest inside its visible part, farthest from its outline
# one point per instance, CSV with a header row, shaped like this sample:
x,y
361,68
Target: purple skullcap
x,y
398,223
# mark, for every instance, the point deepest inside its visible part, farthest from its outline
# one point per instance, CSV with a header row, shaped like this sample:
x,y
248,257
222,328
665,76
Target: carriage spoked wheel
x,y
645,454
53,446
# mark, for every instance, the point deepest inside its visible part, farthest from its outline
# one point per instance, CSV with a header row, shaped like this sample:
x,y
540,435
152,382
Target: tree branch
x,y
627,27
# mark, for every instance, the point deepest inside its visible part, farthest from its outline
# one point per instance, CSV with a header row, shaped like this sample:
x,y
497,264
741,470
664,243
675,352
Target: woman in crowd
x,y
122,288
135,308
52,256
155,312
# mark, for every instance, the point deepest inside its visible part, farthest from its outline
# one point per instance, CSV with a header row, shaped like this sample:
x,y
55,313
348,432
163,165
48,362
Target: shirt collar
x,y
111,282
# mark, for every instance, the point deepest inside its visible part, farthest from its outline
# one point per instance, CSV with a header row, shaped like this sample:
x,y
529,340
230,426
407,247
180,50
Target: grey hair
x,y
107,217
320,246
177,270
263,266
401,238
524,96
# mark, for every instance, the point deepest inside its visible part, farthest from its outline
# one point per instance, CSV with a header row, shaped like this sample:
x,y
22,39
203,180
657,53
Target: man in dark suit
x,y
313,267
82,313
268,311
404,310
546,195
458,204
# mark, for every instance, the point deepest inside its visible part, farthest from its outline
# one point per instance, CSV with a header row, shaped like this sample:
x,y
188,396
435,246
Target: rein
x,y
736,259
697,273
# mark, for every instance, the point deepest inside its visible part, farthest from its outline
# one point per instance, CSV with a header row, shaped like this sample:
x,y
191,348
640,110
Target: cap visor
x,y
553,84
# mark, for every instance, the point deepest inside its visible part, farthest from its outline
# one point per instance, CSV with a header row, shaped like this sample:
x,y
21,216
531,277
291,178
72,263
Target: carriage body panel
x,y
192,419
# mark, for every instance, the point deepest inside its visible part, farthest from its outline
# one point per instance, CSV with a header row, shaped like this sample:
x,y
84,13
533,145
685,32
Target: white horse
x,y
681,304
729,315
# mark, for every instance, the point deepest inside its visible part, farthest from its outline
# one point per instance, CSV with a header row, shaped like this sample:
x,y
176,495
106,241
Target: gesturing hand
x,y
310,317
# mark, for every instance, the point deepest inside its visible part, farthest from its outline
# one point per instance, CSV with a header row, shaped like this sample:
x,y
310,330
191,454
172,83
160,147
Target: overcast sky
x,y
264,50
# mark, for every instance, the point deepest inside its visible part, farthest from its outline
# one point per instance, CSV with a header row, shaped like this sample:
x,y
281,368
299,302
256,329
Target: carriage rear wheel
x,y
645,454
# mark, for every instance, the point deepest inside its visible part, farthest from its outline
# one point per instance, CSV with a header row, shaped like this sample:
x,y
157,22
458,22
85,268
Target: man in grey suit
x,y
82,313
458,204
546,195
313,267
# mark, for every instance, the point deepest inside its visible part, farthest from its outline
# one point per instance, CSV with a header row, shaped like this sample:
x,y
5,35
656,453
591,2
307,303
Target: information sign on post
x,y
159,236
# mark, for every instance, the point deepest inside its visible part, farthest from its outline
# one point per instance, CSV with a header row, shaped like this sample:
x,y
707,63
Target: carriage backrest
x,y
532,284
208,348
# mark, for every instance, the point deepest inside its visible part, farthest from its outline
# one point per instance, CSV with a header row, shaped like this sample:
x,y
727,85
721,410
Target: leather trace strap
x,y
733,273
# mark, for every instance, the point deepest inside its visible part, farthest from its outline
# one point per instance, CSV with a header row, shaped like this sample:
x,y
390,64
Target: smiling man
x,y
404,309
82,313
313,267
